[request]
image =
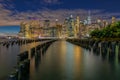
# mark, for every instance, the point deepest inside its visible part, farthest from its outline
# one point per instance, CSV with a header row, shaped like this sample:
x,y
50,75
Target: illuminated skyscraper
x,y
47,23
70,26
22,29
46,30
89,18
77,26
30,29
27,31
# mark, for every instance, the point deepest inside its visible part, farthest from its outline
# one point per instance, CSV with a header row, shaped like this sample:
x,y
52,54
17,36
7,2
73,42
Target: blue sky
x,y
9,29
108,5
13,12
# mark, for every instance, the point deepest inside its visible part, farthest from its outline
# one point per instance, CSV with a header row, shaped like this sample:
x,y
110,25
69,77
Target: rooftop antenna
x,y
89,13
71,16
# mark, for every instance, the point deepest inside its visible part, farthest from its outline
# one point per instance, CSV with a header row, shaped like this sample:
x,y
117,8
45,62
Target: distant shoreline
x,y
8,25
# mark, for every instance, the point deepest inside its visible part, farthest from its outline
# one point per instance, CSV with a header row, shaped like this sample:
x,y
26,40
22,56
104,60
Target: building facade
x,y
32,29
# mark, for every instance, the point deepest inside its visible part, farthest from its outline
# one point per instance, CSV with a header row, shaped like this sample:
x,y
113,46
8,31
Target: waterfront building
x,y
53,32
35,28
59,30
22,29
65,28
30,29
113,19
64,31
85,22
46,30
77,26
70,26
25,30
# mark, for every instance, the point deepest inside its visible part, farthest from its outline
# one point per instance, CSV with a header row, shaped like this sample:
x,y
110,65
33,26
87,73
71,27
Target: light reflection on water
x,y
7,60
62,61
8,57
65,61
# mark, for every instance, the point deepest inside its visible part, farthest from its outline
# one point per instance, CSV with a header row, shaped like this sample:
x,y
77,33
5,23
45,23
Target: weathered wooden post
x,y
14,75
22,56
112,49
32,52
104,48
24,69
119,51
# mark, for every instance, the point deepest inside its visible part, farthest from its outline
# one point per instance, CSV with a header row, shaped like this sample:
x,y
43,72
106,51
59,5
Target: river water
x,y
62,61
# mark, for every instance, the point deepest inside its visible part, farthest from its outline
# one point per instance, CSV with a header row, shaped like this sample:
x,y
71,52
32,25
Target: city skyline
x,y
59,40
15,11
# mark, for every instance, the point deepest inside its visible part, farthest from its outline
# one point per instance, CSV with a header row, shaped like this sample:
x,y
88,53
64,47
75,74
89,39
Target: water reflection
x,y
65,61
7,60
62,61
37,59
8,57
78,67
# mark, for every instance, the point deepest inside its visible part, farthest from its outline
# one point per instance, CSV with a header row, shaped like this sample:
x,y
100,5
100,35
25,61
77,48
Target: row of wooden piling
x,y
21,42
99,47
22,70
41,49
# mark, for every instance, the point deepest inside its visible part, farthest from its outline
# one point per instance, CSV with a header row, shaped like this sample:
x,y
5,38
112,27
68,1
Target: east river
x,y
62,61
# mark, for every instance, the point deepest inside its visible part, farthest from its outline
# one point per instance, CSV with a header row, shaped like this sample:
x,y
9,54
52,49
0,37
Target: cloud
x,y
5,17
61,14
52,1
13,17
8,19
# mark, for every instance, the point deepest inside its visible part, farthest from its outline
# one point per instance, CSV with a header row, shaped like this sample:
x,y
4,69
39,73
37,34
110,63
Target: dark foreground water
x,y
63,61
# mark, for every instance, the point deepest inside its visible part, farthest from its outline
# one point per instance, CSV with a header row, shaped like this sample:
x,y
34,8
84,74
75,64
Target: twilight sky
x,y
12,12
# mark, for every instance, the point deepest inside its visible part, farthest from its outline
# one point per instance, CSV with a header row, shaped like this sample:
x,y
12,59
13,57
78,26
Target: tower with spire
x,y
89,18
